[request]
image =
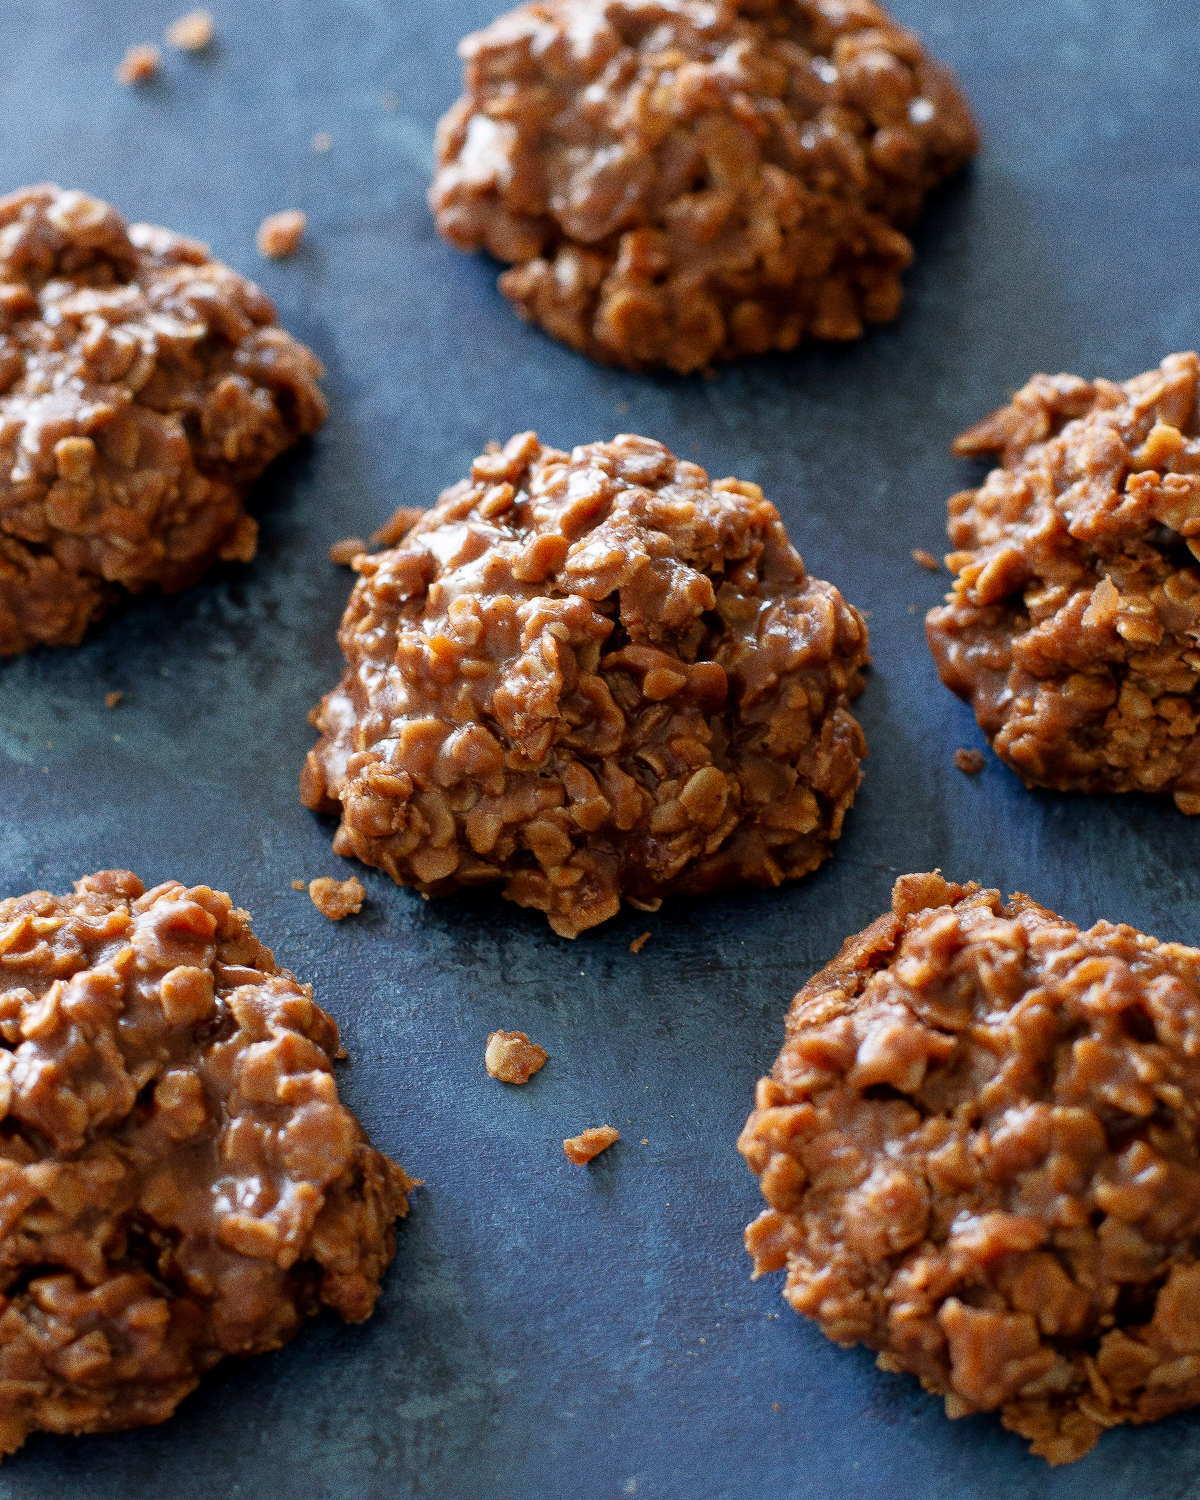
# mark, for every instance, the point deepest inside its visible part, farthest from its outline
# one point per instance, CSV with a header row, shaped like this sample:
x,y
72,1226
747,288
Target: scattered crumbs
x,y
912,609
926,559
322,141
969,761
344,552
775,1406
299,885
622,408
112,699
397,526
139,63
391,99
279,235
639,943
336,899
645,1140
116,739
512,1057
193,32
867,614
581,1148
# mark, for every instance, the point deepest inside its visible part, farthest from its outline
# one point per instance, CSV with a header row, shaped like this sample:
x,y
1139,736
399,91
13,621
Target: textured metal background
x,y
549,1331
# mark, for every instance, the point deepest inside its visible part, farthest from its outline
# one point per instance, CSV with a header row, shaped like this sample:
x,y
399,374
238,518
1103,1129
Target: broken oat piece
x,y
639,943
146,387
926,559
336,899
279,235
591,677
1073,628
675,185
1014,1105
181,1180
581,1148
344,552
111,700
140,63
193,32
970,762
512,1057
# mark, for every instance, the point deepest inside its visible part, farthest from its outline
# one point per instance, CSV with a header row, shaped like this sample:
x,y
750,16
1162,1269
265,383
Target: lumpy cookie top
x,y
981,1150
591,675
1074,624
143,387
178,1180
679,181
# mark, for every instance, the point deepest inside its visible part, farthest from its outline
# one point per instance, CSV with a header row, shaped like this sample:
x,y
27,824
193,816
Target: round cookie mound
x,y
143,388
178,1180
1074,624
591,676
678,183
981,1148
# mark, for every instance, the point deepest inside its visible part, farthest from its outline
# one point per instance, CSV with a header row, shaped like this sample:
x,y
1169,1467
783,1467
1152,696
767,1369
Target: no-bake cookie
x,y
1074,624
676,184
981,1150
590,676
143,388
178,1180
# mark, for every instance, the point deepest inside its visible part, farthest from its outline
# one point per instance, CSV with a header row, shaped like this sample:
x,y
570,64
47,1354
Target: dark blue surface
x,y
548,1331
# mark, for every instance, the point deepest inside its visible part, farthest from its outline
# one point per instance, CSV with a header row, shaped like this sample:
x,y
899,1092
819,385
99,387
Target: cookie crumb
x,y
926,559
322,141
589,1143
279,235
639,943
344,552
336,899
775,1406
139,63
193,32
512,1057
397,526
112,699
970,762
299,885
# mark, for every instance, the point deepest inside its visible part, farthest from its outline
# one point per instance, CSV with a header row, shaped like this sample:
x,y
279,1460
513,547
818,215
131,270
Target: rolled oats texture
x,y
1073,628
180,1180
979,1149
144,387
591,677
677,185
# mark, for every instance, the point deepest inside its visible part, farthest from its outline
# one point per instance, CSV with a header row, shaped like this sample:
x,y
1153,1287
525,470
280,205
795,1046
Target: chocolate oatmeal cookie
x,y
588,676
676,184
1074,624
178,1180
981,1150
143,388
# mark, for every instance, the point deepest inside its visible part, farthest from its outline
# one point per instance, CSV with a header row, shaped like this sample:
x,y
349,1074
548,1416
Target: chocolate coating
x,y
1074,625
143,388
178,1180
676,184
980,1145
588,676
